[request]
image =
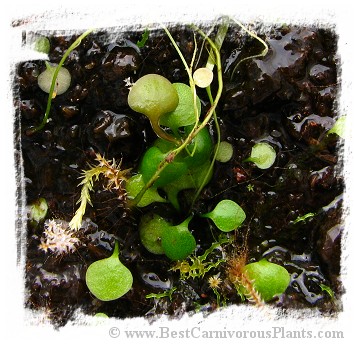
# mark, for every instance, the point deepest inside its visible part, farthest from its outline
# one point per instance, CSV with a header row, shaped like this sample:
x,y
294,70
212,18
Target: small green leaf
x,y
62,82
269,279
339,127
227,215
225,152
151,229
42,45
328,290
262,155
153,95
178,242
141,43
108,279
135,184
304,217
184,113
103,315
38,210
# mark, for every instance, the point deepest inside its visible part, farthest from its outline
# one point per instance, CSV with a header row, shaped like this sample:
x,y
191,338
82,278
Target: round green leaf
x,y
203,77
262,155
269,279
135,184
227,215
184,113
151,229
225,152
178,242
193,179
108,279
153,95
42,45
62,82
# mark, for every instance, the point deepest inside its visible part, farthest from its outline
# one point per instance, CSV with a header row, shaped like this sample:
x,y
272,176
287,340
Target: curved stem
x,y
162,134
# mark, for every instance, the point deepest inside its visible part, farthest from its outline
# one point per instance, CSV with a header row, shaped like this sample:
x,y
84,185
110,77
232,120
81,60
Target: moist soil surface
x,y
288,99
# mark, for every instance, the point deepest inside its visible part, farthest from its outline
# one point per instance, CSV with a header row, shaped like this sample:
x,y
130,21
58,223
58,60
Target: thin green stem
x,y
55,75
262,54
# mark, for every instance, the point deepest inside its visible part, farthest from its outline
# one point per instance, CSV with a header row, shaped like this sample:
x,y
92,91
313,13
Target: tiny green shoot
x,y
227,215
108,279
262,155
304,217
328,290
141,43
167,293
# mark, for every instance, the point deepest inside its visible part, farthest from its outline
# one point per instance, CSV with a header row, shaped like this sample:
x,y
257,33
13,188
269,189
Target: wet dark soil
x,y
287,98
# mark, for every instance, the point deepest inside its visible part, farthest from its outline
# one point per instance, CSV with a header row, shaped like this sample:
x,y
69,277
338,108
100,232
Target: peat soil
x,y
288,98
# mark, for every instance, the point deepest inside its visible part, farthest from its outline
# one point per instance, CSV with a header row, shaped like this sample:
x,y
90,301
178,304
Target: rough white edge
x,y
81,15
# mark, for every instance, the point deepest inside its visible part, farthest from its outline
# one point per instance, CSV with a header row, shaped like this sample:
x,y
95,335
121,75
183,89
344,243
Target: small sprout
x,y
177,241
203,77
108,279
58,238
42,45
262,155
62,82
184,114
167,293
135,184
225,152
141,43
328,290
151,229
269,279
227,215
250,187
153,95
38,210
303,218
339,127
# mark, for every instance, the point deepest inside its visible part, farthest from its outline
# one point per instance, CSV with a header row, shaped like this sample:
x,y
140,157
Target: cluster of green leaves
x,y
176,241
